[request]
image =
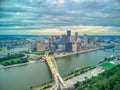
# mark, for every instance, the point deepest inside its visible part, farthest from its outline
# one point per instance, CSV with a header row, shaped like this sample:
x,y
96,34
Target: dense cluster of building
x,y
68,42
9,44
64,43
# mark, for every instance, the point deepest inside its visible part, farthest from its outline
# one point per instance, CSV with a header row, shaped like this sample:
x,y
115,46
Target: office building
x,y
68,33
65,39
52,48
68,47
85,39
72,39
79,45
74,47
32,46
76,36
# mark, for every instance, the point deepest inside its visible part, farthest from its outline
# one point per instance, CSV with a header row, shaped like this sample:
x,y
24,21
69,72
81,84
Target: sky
x,y
49,17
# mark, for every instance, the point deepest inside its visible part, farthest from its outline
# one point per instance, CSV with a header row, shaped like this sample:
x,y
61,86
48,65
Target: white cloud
x,y
91,30
42,14
58,2
76,0
61,1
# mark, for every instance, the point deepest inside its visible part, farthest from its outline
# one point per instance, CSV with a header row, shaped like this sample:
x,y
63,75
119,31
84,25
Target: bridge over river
x,y
59,83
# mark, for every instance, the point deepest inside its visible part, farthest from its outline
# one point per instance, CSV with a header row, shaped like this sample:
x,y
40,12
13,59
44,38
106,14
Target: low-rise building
x,y
41,47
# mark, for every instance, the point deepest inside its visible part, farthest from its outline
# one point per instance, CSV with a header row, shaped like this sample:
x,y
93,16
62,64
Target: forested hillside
x,y
108,80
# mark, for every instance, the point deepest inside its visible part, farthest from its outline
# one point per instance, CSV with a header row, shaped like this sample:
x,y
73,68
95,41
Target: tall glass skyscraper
x,y
68,33
76,36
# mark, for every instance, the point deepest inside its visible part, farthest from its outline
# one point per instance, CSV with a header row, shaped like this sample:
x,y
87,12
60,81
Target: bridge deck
x,y
59,82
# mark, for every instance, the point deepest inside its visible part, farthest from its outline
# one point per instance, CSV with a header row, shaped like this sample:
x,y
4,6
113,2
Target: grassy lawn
x,y
14,60
108,65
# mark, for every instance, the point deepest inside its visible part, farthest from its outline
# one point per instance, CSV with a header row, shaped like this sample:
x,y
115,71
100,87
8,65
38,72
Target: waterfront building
x,y
60,48
68,47
74,47
52,48
79,45
41,47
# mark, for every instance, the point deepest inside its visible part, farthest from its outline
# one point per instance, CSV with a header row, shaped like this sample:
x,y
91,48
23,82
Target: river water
x,y
23,77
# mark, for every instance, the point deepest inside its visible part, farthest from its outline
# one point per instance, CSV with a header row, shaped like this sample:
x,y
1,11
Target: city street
x,y
82,77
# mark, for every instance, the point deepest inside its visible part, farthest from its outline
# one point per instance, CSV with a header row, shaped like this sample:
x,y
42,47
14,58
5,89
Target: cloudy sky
x,y
57,16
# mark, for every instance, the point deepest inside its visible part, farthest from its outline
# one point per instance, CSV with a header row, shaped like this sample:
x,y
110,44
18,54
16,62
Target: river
x,y
23,77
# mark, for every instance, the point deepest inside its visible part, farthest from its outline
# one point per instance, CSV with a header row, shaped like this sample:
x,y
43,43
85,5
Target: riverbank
x,y
61,55
82,77
75,76
15,65
38,73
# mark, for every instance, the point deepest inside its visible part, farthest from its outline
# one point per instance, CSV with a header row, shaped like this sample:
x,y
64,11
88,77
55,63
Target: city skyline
x,y
58,61
55,17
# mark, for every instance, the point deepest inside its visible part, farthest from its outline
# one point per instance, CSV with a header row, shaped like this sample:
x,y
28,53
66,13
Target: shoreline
x,y
75,53
58,56
71,81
